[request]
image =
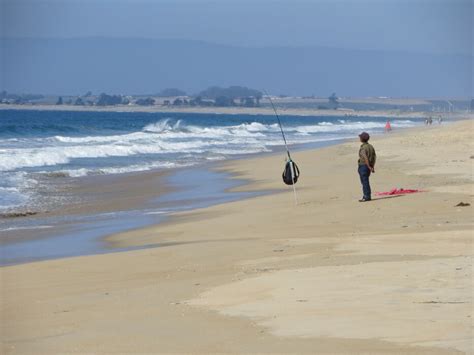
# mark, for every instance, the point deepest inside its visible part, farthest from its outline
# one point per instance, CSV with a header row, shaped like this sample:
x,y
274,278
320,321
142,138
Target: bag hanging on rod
x,y
291,173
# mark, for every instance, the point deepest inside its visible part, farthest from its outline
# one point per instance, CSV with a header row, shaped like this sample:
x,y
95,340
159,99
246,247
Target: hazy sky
x,y
378,47
442,26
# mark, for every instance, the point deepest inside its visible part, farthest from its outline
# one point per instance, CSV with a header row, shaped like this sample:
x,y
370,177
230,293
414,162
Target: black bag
x,y
291,173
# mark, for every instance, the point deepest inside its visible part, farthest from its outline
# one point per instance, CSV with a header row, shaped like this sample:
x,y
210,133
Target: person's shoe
x,y
365,199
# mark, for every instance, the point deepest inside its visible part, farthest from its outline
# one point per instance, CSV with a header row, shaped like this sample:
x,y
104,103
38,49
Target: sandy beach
x,y
261,275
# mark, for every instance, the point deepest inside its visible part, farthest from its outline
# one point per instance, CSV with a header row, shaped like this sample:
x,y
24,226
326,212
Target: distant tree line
x,y
145,102
232,96
110,100
9,98
333,101
227,96
88,100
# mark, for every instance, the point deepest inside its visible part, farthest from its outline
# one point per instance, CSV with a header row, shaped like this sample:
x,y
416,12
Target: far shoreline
x,y
233,111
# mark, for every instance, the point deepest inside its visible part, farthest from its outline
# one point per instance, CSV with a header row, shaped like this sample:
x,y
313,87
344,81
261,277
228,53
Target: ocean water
x,y
37,147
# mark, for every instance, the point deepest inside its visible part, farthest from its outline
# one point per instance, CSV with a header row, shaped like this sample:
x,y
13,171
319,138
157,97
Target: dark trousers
x,y
364,173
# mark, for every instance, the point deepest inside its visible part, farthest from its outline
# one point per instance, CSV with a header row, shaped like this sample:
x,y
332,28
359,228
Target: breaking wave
x,y
175,137
122,144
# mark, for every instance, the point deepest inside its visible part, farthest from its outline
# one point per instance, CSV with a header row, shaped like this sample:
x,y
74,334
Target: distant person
x,y
388,126
430,120
367,158
440,119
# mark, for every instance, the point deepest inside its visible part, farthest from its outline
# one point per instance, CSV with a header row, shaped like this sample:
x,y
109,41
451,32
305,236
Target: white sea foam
x,y
158,212
11,196
15,189
121,170
25,228
167,137
163,126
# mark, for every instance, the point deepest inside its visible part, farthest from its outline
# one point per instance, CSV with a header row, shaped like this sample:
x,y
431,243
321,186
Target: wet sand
x,y
99,206
330,275
70,198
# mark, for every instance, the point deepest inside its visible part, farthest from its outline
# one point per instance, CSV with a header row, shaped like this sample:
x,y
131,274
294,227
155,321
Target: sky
x,y
434,26
429,39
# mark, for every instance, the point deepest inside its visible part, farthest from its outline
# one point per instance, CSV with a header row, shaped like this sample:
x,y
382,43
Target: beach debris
x,y
17,214
462,204
278,250
441,302
57,174
62,311
301,300
265,269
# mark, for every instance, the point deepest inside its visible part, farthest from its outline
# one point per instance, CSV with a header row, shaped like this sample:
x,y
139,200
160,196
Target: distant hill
x,y
143,66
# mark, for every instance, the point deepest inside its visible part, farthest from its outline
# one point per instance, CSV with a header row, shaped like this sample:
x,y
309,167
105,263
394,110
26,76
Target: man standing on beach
x,y
366,162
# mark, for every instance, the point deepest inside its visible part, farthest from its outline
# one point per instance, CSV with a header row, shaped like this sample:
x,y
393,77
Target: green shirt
x,y
367,151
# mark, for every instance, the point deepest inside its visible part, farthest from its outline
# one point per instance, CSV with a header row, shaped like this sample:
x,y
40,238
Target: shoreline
x,y
128,198
88,196
263,275
234,110
44,231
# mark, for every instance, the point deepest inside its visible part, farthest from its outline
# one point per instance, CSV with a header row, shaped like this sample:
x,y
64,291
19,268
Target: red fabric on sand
x,y
396,191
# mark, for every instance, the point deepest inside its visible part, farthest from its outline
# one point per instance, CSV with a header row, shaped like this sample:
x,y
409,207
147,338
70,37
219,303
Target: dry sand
x,y
330,275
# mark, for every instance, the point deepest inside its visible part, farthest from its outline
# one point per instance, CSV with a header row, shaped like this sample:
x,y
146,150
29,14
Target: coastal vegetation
x,y
6,97
109,100
333,100
226,96
232,96
145,102
240,96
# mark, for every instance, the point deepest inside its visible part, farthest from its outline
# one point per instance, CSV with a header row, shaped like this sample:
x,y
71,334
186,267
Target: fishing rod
x,y
291,168
279,123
